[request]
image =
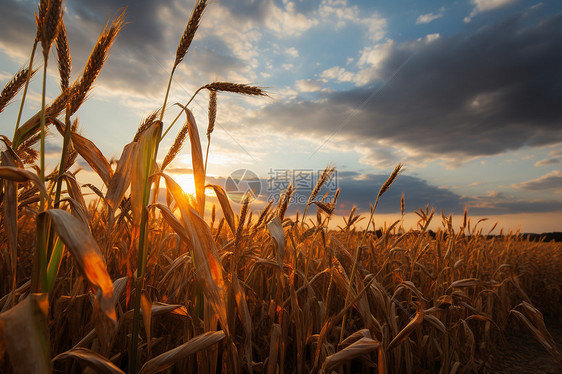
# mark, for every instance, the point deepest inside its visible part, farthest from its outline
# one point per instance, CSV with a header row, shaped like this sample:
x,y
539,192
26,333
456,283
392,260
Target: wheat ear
x,y
13,86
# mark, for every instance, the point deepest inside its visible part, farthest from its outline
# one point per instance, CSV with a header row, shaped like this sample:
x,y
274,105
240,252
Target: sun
x,y
186,182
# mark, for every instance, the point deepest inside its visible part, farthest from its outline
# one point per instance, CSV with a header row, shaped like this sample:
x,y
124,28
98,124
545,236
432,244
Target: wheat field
x,y
123,282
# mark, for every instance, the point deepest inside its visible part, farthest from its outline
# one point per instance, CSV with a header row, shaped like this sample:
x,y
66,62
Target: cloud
x,y
485,5
478,93
556,153
293,52
135,61
360,190
309,85
550,161
427,18
338,13
369,62
287,22
550,181
339,74
179,170
501,203
137,70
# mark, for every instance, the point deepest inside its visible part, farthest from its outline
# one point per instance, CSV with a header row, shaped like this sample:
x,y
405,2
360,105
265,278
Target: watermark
x,y
240,183
244,181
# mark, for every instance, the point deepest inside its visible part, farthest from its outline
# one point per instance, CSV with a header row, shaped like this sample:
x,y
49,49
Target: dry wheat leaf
x,y
209,269
168,359
276,231
20,175
121,180
143,166
274,348
406,331
24,334
363,333
79,241
469,282
360,347
77,210
197,161
93,156
174,223
163,308
225,205
90,359
10,220
74,189
118,288
146,310
244,315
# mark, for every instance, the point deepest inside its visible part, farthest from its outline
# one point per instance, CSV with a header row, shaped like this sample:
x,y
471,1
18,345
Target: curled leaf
x,y
79,241
91,359
406,331
167,359
225,205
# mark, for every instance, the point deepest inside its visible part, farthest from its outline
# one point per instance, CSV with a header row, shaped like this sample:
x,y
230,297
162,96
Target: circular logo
x,y
240,183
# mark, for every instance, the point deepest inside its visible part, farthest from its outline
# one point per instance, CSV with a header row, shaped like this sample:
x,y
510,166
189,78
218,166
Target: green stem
x,y
141,265
180,113
65,143
207,153
143,234
42,160
133,368
167,93
24,94
51,236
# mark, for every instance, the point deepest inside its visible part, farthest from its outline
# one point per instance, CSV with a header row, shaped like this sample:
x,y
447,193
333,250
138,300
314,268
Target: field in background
x,y
126,283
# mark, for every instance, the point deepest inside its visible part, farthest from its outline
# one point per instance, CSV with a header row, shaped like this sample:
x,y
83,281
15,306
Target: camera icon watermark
x,y
242,182
245,181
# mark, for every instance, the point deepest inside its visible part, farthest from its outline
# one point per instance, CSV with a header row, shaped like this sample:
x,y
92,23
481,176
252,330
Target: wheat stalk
x,y
189,32
212,119
95,62
145,124
212,112
284,202
26,151
50,15
13,86
240,88
64,58
326,173
386,185
176,147
239,233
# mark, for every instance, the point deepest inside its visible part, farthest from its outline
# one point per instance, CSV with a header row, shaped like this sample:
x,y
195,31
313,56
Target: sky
x,y
465,93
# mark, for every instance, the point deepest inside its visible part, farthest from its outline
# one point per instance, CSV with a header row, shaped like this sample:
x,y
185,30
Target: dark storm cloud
x,y
500,203
478,93
140,61
17,26
141,38
361,190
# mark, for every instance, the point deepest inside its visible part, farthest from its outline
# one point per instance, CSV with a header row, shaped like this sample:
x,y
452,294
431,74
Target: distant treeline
x,y
546,237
